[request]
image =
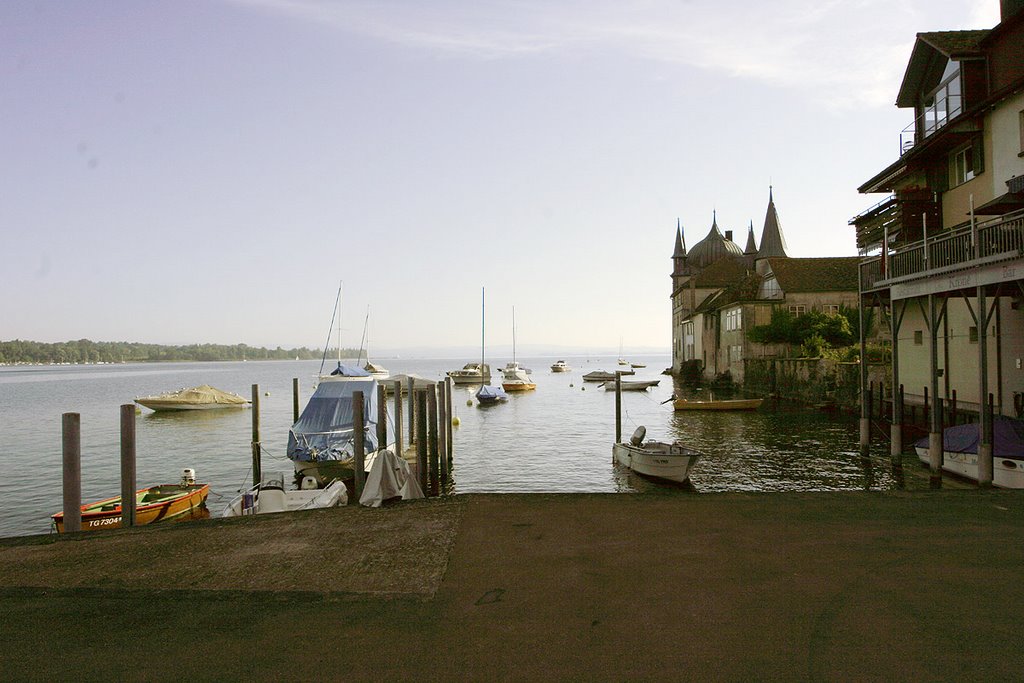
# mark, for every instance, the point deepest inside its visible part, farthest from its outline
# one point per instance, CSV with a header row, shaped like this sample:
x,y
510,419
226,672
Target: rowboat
x,y
203,397
603,376
152,504
632,385
726,404
668,461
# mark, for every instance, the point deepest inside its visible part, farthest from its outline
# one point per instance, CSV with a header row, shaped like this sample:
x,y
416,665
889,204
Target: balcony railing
x,y
997,240
946,103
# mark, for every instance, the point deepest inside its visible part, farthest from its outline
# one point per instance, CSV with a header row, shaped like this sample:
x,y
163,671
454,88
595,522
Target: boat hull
x,y
518,386
670,462
1007,473
731,404
153,504
265,500
631,386
170,405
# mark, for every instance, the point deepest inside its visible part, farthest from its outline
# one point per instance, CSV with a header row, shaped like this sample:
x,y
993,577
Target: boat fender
x,y
308,483
638,436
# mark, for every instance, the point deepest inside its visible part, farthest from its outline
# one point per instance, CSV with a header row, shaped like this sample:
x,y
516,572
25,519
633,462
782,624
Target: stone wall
x,y
808,380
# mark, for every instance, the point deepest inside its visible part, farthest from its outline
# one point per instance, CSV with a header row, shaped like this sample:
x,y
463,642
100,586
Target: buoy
x,y
267,393
571,386
469,402
583,388
456,421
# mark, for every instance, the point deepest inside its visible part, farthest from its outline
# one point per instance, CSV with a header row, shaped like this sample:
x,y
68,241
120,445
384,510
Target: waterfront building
x,y
720,291
942,255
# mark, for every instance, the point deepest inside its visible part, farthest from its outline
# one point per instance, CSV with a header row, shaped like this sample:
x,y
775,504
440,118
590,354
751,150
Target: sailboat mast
x,y
483,310
340,286
513,334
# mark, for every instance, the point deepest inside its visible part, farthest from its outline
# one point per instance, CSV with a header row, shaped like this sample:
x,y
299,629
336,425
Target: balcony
x,y
898,216
953,250
941,106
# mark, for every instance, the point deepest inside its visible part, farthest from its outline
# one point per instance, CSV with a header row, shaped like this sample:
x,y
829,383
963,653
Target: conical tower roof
x,y
713,247
773,244
751,248
679,254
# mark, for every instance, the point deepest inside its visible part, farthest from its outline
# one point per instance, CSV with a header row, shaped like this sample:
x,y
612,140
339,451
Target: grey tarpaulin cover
x,y
390,477
1007,438
324,429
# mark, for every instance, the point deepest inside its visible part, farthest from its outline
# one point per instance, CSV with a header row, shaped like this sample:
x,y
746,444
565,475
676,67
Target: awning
x,y
1011,201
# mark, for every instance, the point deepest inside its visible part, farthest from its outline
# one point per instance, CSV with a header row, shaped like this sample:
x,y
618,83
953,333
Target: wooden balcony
x,y
948,252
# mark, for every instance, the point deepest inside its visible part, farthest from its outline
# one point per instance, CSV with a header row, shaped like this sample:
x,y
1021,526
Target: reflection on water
x,y
557,438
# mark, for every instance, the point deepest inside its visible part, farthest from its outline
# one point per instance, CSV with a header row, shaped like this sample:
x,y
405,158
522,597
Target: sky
x,y
209,171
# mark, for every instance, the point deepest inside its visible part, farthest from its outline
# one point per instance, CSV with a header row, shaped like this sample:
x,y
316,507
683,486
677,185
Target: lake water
x,y
555,439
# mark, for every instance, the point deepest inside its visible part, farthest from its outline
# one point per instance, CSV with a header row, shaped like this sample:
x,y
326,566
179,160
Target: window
x,y
798,309
734,320
962,167
918,338
830,309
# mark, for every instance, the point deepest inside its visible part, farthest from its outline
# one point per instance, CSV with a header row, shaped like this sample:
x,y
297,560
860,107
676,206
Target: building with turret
x,y
720,290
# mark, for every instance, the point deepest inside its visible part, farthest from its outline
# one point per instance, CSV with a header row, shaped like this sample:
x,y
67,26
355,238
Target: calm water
x,y
557,438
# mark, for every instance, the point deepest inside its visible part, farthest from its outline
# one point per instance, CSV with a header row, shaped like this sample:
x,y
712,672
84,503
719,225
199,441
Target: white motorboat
x,y
632,385
603,376
471,373
960,451
668,461
270,495
560,366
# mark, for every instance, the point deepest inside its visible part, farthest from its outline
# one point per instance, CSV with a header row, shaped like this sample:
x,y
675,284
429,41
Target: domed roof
x,y
712,248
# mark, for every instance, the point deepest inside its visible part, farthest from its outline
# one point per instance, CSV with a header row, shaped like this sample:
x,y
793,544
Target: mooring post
x,y
421,440
382,417
985,464
952,410
618,406
870,400
358,442
128,465
865,390
398,418
257,470
896,430
71,428
442,434
432,440
449,426
412,411
295,400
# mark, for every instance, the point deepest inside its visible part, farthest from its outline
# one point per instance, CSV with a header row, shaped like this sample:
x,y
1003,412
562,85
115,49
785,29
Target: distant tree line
x,y
86,351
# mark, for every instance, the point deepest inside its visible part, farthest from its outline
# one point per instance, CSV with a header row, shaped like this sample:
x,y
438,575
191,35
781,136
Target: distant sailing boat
x,y
372,368
487,394
622,361
516,378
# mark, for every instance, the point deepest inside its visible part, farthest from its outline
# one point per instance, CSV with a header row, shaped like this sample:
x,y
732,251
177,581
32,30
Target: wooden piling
x,y
618,406
358,442
412,411
71,428
295,400
421,439
398,418
128,465
952,409
870,399
257,469
924,414
449,383
442,434
432,441
382,417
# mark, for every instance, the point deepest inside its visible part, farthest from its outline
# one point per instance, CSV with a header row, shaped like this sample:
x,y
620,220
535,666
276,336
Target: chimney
x,y
728,235
1009,8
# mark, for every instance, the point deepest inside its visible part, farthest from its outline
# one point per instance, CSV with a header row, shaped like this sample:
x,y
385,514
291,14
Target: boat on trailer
x,y
657,459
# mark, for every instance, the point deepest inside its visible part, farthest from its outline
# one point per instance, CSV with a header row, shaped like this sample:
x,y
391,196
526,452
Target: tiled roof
x,y
826,274
955,42
721,273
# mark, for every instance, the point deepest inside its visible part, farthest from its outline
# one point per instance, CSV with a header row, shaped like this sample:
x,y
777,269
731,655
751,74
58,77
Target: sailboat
x,y
516,378
372,368
622,361
487,395
342,372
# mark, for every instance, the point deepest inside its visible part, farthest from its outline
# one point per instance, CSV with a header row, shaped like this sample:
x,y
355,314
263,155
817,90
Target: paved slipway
x,y
809,586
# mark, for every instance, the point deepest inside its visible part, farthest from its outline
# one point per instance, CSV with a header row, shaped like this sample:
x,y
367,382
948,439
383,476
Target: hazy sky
x,y
209,170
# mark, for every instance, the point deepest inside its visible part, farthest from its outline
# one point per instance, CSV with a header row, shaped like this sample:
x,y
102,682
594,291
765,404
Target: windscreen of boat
x,y
324,429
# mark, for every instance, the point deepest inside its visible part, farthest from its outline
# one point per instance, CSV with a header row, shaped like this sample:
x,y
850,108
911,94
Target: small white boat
x,y
560,366
638,365
381,373
603,376
668,461
960,451
471,373
516,379
270,495
203,397
633,385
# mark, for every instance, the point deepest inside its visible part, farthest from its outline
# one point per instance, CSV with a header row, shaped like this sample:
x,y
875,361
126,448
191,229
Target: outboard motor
x,y
188,476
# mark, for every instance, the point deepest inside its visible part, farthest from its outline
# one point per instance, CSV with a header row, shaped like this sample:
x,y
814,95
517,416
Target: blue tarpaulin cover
x,y
349,371
489,393
1007,438
324,429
